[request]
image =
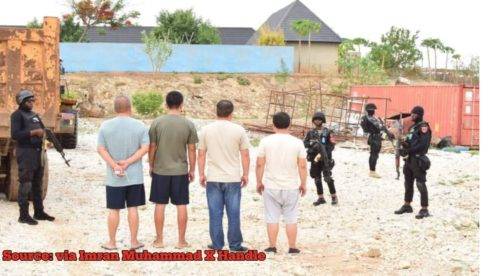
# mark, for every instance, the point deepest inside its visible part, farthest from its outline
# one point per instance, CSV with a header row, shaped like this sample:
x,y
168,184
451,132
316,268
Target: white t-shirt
x,y
281,152
223,141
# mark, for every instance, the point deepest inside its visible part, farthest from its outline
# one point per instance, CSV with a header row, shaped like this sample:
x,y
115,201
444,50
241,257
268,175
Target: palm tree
x,y
456,61
447,50
359,41
456,58
305,27
299,29
437,46
428,44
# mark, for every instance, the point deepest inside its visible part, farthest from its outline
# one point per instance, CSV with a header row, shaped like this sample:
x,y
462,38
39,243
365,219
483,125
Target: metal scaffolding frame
x,y
343,113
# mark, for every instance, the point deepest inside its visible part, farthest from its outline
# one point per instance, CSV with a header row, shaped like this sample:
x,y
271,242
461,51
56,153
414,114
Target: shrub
x,y
242,80
69,95
223,76
148,103
197,80
270,37
157,49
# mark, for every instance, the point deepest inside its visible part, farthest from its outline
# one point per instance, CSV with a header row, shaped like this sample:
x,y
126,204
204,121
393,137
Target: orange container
x,y
451,110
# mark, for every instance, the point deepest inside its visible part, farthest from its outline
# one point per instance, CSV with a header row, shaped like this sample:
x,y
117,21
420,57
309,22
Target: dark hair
x,y
224,108
281,120
174,99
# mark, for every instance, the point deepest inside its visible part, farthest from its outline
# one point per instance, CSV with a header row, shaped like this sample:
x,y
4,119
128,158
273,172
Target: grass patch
x,y
242,80
197,80
222,76
69,95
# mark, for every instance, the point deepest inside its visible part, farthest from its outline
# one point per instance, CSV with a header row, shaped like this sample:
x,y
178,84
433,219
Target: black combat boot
x,y
41,215
423,213
404,209
320,200
25,217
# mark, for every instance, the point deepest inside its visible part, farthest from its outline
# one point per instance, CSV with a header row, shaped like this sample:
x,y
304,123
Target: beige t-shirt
x,y
223,141
281,152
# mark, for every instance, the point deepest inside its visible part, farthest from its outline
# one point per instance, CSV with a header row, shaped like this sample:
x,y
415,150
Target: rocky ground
x,y
96,91
359,236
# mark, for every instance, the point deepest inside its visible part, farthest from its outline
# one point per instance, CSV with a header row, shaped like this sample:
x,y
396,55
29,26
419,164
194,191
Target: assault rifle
x,y
398,142
52,138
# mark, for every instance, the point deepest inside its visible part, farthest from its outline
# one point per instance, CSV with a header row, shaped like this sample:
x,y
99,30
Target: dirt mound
x,y
202,91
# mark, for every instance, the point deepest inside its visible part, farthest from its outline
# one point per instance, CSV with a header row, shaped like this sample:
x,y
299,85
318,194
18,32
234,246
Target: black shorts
x,y
120,197
173,187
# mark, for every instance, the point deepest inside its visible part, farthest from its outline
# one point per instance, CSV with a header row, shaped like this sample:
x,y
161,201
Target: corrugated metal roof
x,y
283,19
119,35
228,35
234,36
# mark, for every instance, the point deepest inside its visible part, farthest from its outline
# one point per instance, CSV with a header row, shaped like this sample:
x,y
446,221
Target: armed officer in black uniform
x,y
414,150
26,130
320,144
374,127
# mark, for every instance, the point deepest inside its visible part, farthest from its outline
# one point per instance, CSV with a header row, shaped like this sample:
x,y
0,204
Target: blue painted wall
x,y
129,57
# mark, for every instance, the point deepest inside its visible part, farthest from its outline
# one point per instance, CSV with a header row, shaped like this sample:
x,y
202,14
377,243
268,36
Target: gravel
x,y
360,235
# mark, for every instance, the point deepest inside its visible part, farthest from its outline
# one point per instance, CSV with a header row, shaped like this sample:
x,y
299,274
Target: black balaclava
x,y
370,112
420,113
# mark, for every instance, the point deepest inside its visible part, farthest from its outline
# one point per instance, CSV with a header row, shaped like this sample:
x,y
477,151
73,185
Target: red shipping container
x,y
451,110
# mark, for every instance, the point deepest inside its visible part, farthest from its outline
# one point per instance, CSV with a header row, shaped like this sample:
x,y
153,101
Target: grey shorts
x,y
281,202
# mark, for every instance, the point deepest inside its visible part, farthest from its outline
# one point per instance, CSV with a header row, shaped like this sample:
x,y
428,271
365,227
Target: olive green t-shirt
x,y
172,134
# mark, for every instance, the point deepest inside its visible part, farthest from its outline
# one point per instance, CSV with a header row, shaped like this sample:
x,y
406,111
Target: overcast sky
x,y
456,23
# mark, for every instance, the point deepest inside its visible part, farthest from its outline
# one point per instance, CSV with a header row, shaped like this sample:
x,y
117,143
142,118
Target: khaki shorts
x,y
281,202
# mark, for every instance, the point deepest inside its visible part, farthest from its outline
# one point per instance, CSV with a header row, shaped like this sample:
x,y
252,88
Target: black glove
x,y
403,152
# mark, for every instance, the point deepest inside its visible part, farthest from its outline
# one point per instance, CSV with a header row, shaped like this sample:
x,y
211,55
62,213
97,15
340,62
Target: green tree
x,y
345,48
437,46
474,69
158,50
305,27
101,13
359,41
428,43
403,52
456,61
448,51
71,31
356,69
380,53
183,26
207,34
34,24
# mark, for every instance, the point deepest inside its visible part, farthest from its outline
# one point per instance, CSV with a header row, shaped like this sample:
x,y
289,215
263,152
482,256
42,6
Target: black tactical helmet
x,y
319,115
24,95
371,106
418,110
